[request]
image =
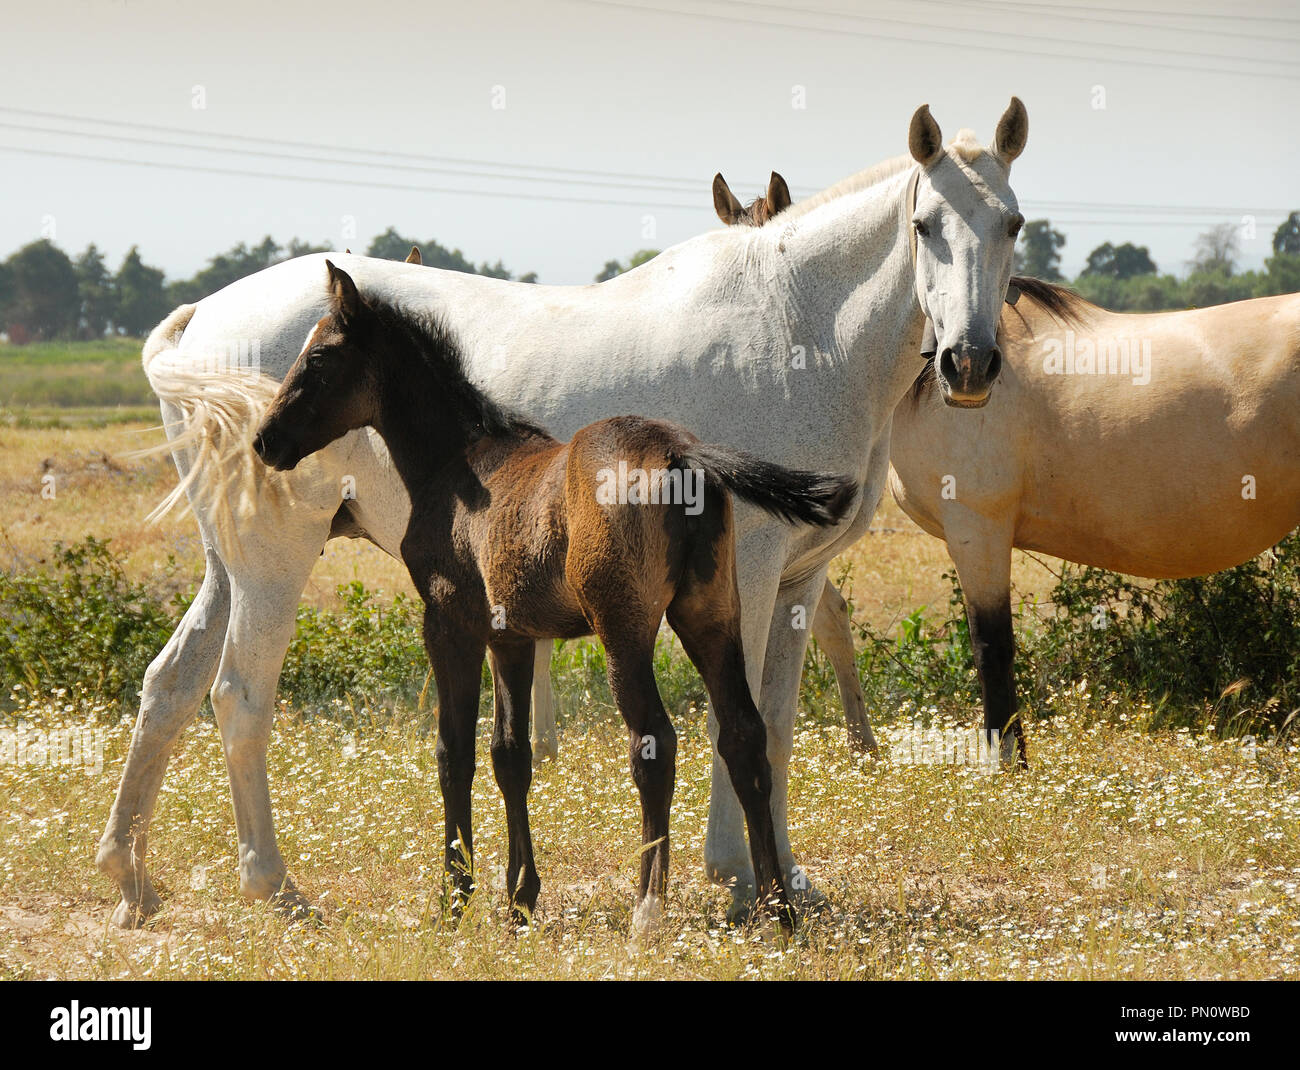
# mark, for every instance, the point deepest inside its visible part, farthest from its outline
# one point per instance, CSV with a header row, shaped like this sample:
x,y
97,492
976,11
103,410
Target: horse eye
x,y
921,229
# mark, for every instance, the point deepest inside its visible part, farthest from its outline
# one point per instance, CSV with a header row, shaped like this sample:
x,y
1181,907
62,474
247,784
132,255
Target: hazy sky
x,y
636,102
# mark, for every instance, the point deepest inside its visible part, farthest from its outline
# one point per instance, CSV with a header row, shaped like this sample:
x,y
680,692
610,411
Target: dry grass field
x,y
1121,853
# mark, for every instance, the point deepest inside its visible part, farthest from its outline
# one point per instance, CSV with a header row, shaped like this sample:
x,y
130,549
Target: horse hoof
x,y
546,750
135,915
647,916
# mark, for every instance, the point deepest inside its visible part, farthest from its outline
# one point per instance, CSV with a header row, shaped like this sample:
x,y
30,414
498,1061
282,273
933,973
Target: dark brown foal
x,y
515,537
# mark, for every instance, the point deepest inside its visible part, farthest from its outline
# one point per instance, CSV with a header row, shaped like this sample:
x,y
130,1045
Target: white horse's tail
x,y
219,408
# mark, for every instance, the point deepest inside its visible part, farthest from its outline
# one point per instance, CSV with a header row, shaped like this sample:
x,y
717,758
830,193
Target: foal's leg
x,y
760,558
981,551
831,629
712,641
457,663
546,741
652,751
512,762
173,688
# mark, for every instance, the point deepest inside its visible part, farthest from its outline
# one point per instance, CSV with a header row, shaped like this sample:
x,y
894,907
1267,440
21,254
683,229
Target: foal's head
x,y
758,211
333,386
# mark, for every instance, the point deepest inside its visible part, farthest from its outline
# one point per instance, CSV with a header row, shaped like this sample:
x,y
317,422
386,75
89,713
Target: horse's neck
x,y
423,433
854,287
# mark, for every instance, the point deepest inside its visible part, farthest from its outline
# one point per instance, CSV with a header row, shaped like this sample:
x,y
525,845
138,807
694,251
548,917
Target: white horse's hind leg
x,y
546,741
831,629
262,622
173,688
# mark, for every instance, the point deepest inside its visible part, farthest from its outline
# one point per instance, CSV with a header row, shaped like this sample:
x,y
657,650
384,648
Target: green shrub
x,y
1220,650
78,619
367,653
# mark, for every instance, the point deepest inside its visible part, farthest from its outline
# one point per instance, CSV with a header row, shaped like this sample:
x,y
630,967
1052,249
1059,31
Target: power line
x,y
1036,204
696,186
331,181
421,168
973,7
324,180
842,32
971,29
1155,14
317,146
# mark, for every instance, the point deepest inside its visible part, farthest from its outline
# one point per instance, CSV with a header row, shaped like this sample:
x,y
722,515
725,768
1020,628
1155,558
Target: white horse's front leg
x,y
546,741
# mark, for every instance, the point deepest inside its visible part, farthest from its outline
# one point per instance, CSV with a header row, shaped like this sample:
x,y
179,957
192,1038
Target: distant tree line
x,y
1124,278
46,294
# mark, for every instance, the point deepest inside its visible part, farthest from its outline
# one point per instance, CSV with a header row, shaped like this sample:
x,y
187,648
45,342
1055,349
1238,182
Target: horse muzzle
x,y
276,452
966,374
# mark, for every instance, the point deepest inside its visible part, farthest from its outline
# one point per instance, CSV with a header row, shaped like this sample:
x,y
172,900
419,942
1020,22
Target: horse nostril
x,y
259,445
948,365
994,365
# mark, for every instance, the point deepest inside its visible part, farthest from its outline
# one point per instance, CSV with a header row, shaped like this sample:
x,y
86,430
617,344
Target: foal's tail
x,y
789,493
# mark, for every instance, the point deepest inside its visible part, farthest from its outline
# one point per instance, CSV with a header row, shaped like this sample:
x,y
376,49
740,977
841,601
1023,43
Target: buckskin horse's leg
x,y
833,632
512,763
981,550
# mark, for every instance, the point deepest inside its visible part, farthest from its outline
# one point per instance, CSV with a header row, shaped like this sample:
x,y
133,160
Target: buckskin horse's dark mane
x,y
1059,301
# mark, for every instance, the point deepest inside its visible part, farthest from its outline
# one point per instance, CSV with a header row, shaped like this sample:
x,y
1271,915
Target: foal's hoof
x,y
135,915
647,916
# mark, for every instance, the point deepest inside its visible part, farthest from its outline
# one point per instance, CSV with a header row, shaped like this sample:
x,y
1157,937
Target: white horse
x,y
1076,454
794,342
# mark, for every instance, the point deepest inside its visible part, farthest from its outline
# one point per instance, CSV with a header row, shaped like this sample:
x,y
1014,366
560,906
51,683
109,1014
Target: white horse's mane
x,y
965,145
869,176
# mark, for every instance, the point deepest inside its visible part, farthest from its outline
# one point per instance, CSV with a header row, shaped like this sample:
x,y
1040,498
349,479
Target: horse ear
x,y
1013,132
413,257
724,201
924,140
778,194
343,292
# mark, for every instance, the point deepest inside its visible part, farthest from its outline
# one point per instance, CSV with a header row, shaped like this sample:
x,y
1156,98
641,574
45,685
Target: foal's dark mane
x,y
1059,301
439,351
